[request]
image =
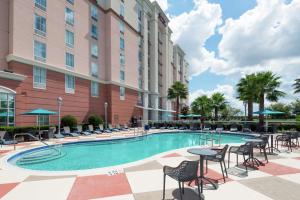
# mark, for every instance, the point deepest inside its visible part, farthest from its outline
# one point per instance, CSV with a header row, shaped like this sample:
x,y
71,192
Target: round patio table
x,y
203,152
252,161
272,148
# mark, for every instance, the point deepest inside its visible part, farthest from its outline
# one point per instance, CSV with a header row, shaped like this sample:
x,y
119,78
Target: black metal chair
x,y
244,150
185,172
285,139
220,157
262,146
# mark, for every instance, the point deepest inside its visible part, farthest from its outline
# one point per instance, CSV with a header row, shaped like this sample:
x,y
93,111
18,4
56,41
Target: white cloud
x,y
263,38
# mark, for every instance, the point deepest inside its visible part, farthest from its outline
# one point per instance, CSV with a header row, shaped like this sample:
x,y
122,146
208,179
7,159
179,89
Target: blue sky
x,y
226,39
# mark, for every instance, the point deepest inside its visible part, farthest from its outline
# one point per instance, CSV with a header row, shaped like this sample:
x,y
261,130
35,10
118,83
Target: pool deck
x,y
278,180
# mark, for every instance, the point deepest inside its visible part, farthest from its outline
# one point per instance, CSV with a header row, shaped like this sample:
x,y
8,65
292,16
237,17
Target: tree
x,y
218,103
267,85
229,112
177,91
297,86
281,107
246,89
202,105
185,110
296,107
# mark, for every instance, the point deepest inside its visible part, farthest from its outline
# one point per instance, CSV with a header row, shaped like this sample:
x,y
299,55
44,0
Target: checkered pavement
x,y
277,180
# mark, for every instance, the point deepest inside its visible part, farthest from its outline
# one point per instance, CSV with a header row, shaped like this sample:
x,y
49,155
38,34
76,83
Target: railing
x,y
30,135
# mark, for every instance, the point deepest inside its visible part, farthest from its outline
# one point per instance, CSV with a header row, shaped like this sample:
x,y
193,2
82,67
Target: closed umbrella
x,y
39,112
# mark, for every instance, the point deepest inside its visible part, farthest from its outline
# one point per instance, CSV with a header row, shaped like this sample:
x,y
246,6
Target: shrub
x,y
95,120
68,120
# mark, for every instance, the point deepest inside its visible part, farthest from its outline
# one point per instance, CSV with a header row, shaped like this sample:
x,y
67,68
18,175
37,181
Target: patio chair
x,y
3,139
56,135
68,132
104,130
262,146
207,127
80,131
295,139
285,139
112,129
220,158
244,150
246,128
185,172
219,128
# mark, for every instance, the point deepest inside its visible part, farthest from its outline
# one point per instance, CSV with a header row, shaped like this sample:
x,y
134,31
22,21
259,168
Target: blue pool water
x,y
97,154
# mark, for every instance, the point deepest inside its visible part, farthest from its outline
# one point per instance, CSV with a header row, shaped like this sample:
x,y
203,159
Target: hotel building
x,y
87,52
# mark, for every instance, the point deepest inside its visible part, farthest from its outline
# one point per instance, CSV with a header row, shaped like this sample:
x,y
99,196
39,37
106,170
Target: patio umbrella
x,y
39,112
267,112
181,115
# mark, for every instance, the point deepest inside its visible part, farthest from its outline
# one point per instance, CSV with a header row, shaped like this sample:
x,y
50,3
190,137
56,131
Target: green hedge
x,y
69,121
22,129
95,120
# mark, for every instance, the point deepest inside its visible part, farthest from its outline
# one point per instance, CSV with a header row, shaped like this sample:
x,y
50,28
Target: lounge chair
x,y
68,132
112,129
246,128
57,135
104,130
80,131
91,130
207,127
4,141
233,128
120,128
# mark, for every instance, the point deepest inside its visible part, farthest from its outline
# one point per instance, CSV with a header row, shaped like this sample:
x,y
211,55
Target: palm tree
x,y
218,103
201,105
246,89
267,87
297,85
177,91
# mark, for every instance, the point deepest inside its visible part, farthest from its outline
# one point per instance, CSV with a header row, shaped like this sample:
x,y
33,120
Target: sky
x,y
226,39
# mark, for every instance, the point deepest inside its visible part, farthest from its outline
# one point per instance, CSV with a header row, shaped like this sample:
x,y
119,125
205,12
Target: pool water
x,y
97,154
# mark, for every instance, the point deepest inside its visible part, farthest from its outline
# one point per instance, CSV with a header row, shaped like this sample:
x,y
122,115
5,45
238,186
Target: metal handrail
x,y
32,136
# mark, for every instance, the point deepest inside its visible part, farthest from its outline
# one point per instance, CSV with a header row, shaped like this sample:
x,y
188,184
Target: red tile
x,y
99,186
277,169
5,188
172,155
4,151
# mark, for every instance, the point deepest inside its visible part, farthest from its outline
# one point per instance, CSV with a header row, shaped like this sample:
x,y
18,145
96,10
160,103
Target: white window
x,y
40,25
94,50
122,93
39,77
122,9
94,12
41,4
122,75
122,43
69,60
69,39
39,51
94,89
70,84
94,69
122,26
69,16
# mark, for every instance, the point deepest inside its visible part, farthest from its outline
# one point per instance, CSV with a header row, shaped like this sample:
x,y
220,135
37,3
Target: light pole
x,y
59,102
105,108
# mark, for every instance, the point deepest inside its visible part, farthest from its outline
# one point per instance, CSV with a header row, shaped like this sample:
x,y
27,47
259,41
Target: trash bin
x,y
146,127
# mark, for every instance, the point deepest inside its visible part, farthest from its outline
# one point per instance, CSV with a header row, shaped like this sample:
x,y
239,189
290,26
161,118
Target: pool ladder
x,y
210,138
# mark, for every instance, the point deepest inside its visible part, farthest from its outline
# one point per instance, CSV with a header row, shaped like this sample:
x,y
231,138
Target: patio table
x,y
272,148
252,161
203,152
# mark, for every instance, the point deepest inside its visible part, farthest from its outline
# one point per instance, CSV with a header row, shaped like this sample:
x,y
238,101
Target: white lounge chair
x,y
68,132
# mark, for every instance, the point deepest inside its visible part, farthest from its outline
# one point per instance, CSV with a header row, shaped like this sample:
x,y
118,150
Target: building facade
x,y
89,53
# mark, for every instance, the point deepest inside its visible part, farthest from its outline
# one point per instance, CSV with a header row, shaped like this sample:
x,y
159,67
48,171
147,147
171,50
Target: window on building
x,y
122,27
94,69
41,4
122,43
122,75
69,16
70,84
39,51
94,31
122,9
122,58
43,120
140,28
71,1
94,50
39,77
94,89
122,93
140,83
7,109
69,60
69,39
94,12
139,14
40,25
140,99
140,56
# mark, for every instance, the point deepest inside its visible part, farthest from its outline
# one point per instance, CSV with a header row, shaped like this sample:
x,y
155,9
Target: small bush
x,y
95,120
69,121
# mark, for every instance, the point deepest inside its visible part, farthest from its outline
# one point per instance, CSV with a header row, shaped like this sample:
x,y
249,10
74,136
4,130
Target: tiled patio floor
x,y
278,180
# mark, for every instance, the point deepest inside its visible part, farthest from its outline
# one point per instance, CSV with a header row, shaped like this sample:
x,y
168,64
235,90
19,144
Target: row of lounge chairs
x,y
206,127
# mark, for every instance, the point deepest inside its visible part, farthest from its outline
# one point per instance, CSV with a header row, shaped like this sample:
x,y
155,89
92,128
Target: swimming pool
x,y
98,154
